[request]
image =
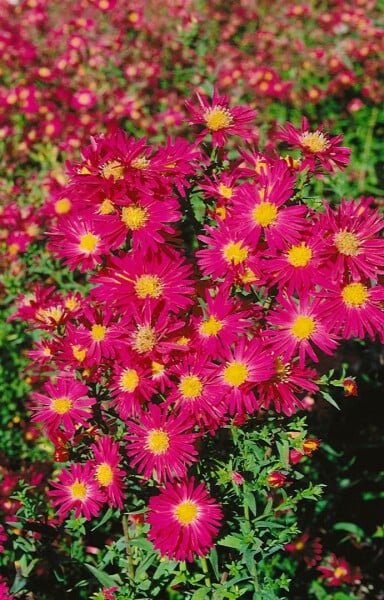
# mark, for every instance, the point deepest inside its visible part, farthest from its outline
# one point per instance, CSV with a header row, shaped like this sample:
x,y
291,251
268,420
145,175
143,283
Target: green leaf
x,y
231,541
350,527
201,594
103,578
106,518
329,399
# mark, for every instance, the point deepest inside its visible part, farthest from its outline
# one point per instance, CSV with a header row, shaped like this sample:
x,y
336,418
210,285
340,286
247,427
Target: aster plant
x,y
179,382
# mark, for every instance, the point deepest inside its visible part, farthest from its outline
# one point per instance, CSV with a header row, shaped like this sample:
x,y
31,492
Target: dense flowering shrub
x,y
216,289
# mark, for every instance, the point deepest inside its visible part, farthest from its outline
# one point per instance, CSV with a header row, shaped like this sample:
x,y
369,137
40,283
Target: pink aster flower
x,y
183,520
300,326
161,444
131,384
318,148
77,489
259,212
107,472
80,242
337,571
228,256
352,242
243,366
65,404
355,310
287,386
4,590
163,277
3,538
198,393
221,323
305,548
218,119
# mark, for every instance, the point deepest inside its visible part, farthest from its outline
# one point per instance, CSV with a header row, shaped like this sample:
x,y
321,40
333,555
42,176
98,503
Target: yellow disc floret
x,y
148,286
235,253
104,474
347,243
135,217
78,490
129,380
144,339
354,294
88,242
112,168
303,327
190,386
265,214
186,512
61,405
299,256
98,332
315,142
210,327
157,441
218,118
235,373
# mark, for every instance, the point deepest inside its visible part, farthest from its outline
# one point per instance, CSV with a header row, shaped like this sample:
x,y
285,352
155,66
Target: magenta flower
x,y
77,489
337,571
183,520
218,119
107,472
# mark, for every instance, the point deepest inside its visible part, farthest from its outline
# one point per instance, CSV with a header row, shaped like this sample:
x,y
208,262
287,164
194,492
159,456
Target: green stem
x,y
204,566
131,569
367,149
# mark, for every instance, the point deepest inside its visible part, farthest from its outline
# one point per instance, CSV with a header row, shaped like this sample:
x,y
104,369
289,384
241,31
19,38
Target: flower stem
x,y
131,569
204,566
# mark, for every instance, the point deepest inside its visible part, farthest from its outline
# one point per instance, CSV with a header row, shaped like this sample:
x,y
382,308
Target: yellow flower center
x,y
129,380
104,474
235,253
157,441
140,162
354,294
144,339
235,373
78,490
299,256
79,353
299,546
157,368
340,572
148,286
186,512
315,142
224,191
282,372
190,386
134,217
61,405
211,327
112,168
72,304
98,333
265,213
106,207
62,206
347,243
218,118
303,327
88,242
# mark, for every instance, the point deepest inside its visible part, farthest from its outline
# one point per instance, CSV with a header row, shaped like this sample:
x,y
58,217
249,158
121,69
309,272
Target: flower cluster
x,y
174,342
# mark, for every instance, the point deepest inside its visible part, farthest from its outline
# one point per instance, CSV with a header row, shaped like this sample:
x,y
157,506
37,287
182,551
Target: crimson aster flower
x,y
305,548
107,472
77,489
79,241
161,444
318,148
355,310
261,214
299,326
65,404
337,571
162,277
184,519
218,119
286,387
351,240
243,366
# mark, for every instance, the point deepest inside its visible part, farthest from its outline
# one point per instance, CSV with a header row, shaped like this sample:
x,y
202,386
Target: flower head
x,y
183,520
77,489
336,571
